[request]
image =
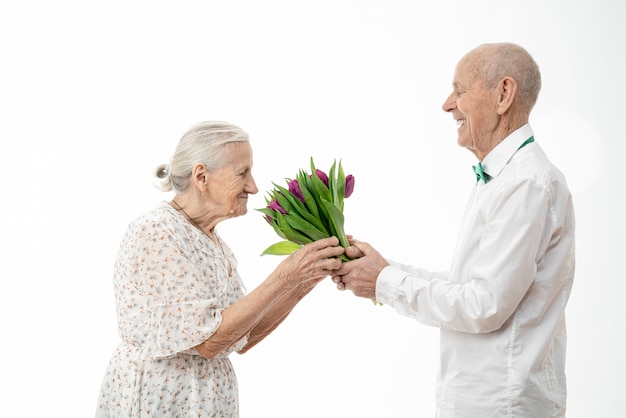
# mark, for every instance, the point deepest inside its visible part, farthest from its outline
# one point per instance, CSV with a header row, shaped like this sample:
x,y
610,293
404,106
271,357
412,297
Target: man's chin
x,y
464,142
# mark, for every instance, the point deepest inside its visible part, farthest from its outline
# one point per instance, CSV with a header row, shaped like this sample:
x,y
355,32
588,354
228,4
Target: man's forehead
x,y
467,70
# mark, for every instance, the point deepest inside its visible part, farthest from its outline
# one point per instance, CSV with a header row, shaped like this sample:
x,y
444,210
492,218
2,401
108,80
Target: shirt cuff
x,y
387,284
404,290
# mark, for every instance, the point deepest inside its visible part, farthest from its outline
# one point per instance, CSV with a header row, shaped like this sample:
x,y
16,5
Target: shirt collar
x,y
494,162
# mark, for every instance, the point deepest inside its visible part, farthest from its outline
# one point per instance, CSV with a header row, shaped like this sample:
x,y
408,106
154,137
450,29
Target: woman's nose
x,y
251,187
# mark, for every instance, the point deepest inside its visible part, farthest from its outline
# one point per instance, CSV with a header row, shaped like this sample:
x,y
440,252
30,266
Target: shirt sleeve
x,y
168,301
494,266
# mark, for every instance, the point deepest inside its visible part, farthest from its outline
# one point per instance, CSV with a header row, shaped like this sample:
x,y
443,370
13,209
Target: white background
x,y
93,95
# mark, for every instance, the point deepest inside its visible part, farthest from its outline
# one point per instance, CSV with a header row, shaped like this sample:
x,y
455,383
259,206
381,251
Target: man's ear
x,y
507,92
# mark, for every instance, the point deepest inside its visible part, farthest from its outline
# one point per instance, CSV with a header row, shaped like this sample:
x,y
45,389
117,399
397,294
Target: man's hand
x,y
360,274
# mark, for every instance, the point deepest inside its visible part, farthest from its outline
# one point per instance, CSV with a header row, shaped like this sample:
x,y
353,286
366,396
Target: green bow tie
x,y
478,169
480,175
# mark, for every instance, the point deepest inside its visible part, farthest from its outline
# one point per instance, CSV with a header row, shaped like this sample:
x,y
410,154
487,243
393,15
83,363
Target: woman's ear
x,y
199,177
507,91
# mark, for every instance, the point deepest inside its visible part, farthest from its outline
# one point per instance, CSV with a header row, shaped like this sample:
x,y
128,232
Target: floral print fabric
x,y
171,284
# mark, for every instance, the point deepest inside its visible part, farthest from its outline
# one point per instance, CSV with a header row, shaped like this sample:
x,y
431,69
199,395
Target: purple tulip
x,y
349,185
275,206
322,176
294,188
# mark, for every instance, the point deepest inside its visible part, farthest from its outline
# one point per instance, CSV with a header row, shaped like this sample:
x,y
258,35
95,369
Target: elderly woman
x,y
180,302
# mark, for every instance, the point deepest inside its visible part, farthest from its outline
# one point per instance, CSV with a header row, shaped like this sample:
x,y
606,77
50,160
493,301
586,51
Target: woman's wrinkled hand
x,y
313,261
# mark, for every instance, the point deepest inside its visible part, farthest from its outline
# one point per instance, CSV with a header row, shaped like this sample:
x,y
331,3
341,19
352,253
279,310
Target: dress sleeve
x,y
170,296
495,264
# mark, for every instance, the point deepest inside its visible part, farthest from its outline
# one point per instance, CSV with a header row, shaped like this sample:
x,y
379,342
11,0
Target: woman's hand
x,y
313,261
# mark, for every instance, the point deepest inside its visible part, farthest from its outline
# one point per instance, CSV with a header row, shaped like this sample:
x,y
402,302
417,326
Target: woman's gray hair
x,y
203,143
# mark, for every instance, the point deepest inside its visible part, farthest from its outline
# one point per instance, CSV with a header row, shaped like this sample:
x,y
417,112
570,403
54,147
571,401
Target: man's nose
x,y
450,104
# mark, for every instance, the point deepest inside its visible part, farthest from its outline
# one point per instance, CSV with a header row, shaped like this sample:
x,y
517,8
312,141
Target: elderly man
x,y
501,305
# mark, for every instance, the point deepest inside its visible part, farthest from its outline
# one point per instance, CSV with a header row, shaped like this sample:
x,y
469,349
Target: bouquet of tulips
x,y
308,209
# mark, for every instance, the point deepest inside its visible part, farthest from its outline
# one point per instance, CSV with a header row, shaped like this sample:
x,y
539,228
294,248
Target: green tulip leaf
x,y
304,183
340,187
305,227
337,219
267,211
290,233
282,248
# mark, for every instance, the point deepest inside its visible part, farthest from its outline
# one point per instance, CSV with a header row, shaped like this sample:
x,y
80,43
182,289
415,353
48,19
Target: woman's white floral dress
x,y
171,284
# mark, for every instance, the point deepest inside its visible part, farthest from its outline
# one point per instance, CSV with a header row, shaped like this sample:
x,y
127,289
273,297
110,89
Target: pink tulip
x,y
322,176
275,206
349,185
294,188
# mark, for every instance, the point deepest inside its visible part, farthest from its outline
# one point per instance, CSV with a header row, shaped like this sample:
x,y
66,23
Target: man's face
x,y
473,107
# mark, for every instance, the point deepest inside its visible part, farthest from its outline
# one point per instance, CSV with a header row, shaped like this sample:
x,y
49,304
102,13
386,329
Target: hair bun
x,y
162,177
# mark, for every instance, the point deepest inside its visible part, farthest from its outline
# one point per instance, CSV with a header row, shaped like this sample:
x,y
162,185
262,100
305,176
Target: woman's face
x,y
229,187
